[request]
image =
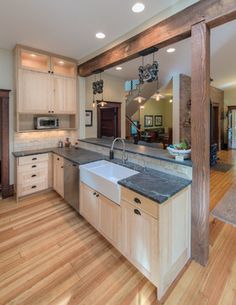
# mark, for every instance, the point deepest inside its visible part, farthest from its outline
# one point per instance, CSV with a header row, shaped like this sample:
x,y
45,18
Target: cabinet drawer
x,y
29,176
33,159
32,167
140,202
31,188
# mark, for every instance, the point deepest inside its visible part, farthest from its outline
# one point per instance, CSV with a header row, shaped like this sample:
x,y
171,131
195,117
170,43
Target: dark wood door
x,y
109,120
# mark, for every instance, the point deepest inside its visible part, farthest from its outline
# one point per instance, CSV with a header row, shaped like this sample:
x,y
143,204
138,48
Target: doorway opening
x,y
109,120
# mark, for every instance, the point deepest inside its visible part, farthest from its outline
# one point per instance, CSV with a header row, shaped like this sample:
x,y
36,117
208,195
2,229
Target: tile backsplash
x,y
44,139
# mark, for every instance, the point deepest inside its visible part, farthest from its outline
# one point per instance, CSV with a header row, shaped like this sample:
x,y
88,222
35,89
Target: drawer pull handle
x,y
33,166
137,200
33,159
94,193
33,187
137,212
34,176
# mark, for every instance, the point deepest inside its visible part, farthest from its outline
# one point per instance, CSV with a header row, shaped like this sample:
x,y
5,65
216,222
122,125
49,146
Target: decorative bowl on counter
x,y
179,151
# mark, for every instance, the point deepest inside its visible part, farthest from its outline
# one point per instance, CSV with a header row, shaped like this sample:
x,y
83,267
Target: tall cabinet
x,y
46,84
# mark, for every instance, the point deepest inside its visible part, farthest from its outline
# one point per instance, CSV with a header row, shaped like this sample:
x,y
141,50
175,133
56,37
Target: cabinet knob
x,y
94,193
97,195
49,71
49,111
33,159
33,187
137,200
52,111
62,166
58,159
33,166
137,212
34,176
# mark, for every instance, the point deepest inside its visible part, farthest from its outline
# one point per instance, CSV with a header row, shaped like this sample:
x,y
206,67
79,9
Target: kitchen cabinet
x,y
89,204
45,84
139,238
64,95
102,213
110,220
58,174
34,91
33,174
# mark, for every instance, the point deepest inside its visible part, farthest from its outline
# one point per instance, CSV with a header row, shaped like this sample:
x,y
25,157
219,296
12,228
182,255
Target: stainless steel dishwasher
x,y
71,184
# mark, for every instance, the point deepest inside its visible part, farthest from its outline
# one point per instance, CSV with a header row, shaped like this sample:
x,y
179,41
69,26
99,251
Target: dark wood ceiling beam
x,y
168,31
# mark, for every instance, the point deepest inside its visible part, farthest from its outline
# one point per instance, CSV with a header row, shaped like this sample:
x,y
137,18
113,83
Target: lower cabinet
x,y
140,238
58,174
102,213
110,220
155,238
89,204
32,174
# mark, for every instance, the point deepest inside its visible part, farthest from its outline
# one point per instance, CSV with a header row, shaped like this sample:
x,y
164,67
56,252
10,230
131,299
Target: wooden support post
x,y
200,135
7,190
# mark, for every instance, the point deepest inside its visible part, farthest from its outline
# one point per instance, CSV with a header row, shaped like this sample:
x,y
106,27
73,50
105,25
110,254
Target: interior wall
x,y
153,107
113,92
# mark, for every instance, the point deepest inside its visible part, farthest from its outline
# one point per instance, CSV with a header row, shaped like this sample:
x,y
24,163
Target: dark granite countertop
x,y
155,185
79,156
150,183
155,153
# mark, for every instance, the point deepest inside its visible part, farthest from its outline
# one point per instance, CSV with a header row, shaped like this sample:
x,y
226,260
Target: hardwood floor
x,y
50,255
221,182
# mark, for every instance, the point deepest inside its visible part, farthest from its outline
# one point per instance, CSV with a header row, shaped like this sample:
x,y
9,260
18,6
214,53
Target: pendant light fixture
x,y
140,98
157,96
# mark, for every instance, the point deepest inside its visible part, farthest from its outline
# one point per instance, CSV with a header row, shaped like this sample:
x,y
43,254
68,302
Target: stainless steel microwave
x,y
46,123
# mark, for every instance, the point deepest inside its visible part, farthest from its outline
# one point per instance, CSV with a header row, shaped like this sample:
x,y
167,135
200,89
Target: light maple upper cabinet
x,y
33,95
45,84
64,95
34,61
63,67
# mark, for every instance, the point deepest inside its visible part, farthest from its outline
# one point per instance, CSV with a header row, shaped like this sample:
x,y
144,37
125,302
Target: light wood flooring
x,y
50,255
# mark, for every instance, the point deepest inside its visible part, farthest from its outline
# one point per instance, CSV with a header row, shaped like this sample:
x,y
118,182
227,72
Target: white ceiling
x,y
223,59
68,27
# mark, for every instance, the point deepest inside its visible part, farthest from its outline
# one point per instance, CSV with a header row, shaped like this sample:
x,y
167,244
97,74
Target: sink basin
x,y
103,176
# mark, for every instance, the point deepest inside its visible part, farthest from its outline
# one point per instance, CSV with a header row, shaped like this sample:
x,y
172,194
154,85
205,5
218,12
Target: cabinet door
x,y
64,100
63,67
139,237
35,61
89,204
34,92
110,220
58,174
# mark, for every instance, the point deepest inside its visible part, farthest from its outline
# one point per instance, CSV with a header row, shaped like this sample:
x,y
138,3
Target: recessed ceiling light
x,y
118,68
61,62
138,7
171,101
170,50
100,35
32,55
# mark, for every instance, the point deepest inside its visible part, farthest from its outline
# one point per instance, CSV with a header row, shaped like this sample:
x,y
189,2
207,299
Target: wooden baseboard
x,y
7,191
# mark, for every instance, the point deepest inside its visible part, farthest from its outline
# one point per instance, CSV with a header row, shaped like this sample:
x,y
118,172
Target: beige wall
x,y
152,107
230,97
113,92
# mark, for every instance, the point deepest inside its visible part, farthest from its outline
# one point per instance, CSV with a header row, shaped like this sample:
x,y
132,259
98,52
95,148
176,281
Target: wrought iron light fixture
x,y
97,87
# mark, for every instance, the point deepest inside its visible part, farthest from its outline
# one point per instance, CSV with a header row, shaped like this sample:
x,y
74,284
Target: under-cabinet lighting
x,y
61,62
32,55
118,68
